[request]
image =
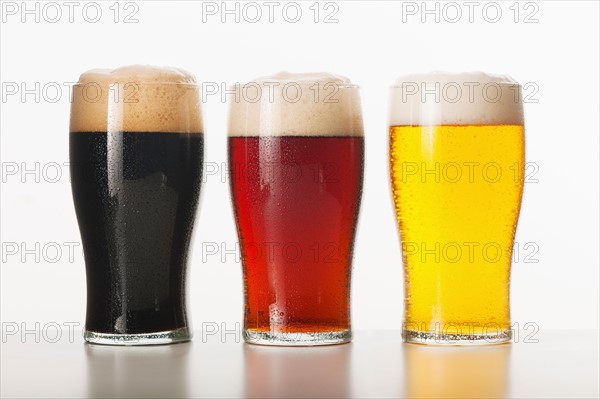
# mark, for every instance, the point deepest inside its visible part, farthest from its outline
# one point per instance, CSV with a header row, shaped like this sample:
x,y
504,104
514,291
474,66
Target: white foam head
x,y
440,98
287,104
136,98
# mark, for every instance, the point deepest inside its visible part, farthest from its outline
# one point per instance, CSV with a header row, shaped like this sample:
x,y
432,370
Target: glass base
x,y
436,338
297,338
156,338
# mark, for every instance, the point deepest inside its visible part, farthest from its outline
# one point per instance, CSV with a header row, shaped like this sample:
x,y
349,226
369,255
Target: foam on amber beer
x,y
298,104
136,98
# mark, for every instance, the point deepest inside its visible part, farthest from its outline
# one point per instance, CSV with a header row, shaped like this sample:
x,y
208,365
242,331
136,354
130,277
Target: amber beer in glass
x,y
457,150
296,156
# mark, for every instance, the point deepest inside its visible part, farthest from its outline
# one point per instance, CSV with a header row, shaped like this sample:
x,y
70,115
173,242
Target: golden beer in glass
x,y
457,152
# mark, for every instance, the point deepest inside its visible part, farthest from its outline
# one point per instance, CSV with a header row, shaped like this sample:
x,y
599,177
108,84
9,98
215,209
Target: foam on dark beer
x,y
289,106
136,98
442,98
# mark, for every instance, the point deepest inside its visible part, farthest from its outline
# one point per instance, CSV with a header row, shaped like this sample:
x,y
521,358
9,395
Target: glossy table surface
x,y
376,364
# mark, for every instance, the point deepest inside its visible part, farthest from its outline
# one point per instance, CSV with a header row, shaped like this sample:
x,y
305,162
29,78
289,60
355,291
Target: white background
x,y
372,45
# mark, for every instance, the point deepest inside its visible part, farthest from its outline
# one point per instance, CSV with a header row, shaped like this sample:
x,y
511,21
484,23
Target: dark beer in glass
x,y
136,152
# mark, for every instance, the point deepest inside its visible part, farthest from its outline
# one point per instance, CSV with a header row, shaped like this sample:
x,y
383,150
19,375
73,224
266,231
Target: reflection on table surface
x,y
280,372
144,371
402,370
477,372
376,364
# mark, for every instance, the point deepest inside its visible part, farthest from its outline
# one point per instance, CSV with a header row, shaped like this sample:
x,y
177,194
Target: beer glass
x,y
136,149
457,161
296,154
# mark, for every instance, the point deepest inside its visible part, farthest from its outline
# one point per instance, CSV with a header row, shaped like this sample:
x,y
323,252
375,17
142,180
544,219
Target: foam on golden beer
x,y
137,98
297,104
440,98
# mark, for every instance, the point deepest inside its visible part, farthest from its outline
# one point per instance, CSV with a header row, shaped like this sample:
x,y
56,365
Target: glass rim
x,y
401,86
138,83
302,84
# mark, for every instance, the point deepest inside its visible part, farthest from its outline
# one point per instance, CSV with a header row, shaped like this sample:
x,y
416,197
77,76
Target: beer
x,y
136,165
457,181
296,188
